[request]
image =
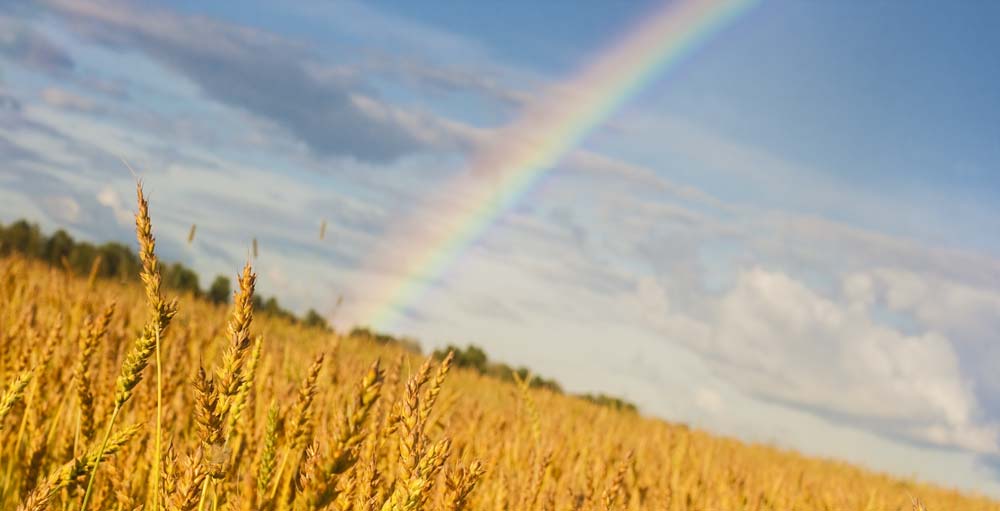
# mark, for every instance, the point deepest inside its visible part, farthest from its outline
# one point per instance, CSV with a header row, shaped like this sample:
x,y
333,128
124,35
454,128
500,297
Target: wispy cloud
x,y
61,98
260,72
30,48
442,80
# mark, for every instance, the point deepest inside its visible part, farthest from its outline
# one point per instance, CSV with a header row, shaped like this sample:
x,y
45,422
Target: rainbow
x,y
511,160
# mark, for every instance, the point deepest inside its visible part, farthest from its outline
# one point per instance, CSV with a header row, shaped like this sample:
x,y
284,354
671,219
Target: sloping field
x,y
117,398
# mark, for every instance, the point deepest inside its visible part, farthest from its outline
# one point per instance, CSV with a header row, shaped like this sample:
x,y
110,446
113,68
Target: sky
x,y
789,236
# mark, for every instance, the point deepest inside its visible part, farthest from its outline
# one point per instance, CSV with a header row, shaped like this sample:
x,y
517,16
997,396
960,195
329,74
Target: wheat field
x,y
121,397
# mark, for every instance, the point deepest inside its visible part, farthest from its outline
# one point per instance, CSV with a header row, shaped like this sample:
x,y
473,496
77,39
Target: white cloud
x,y
652,297
941,303
62,208
775,337
709,400
109,198
429,129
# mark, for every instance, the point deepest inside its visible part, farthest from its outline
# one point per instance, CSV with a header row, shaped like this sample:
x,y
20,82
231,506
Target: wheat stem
x,y
100,455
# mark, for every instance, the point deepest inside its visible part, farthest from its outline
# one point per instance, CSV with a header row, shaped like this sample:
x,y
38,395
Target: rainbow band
x,y
505,168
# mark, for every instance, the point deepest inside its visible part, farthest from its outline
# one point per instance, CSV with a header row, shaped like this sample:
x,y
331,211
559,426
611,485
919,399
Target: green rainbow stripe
x,y
505,167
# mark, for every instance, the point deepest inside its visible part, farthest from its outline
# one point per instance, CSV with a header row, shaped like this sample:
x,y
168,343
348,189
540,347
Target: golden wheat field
x,y
120,397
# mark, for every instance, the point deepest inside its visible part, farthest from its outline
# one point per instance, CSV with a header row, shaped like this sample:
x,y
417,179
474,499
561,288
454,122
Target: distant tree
x,y
118,262
271,306
180,278
81,257
22,237
220,290
314,319
472,357
545,383
610,402
366,334
361,332
409,344
58,246
268,305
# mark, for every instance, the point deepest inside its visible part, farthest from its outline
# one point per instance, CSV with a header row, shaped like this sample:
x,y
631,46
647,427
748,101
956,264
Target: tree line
x,y
473,357
117,261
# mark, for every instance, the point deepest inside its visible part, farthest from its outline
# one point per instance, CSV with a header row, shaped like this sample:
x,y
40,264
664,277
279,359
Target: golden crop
x,y
119,397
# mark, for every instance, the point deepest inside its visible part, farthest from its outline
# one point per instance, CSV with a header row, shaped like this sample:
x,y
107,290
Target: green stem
x,y
100,455
159,419
204,491
276,479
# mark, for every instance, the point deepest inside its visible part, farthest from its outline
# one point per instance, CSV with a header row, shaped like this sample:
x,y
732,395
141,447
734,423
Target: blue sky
x,y
789,237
